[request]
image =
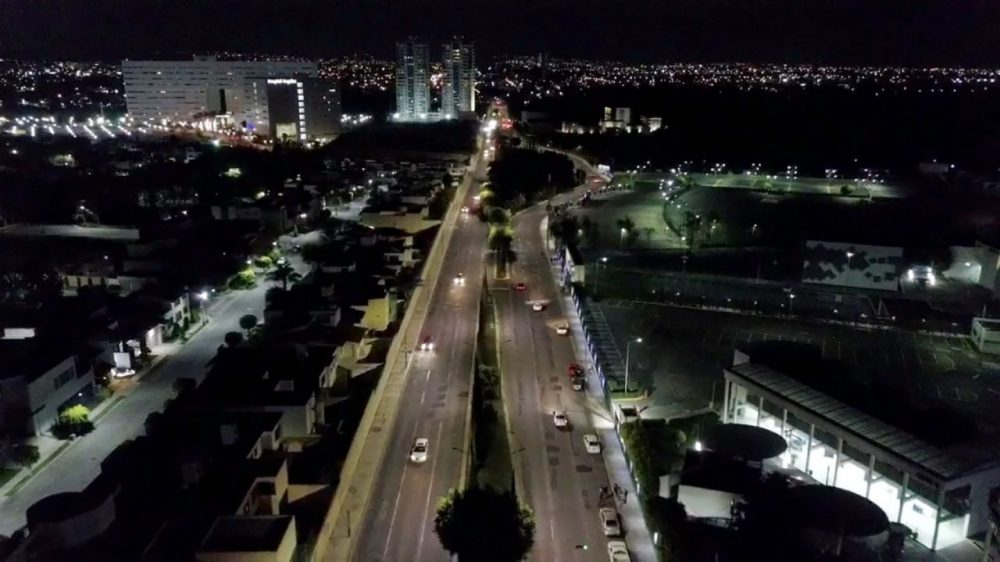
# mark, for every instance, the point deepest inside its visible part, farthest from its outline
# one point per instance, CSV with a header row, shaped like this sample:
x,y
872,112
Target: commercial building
x,y
296,108
413,97
458,93
940,492
182,90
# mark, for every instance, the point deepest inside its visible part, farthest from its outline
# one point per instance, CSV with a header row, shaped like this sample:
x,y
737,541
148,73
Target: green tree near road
x,y
639,447
248,322
627,226
484,525
74,420
498,216
500,241
284,273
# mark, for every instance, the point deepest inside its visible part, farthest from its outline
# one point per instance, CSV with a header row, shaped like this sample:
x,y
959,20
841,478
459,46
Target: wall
x,y
45,397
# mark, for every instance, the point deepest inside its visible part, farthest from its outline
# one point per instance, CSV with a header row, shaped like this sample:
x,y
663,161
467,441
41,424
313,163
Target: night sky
x,y
902,32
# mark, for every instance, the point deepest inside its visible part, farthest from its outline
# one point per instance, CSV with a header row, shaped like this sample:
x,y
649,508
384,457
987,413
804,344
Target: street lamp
x,y
791,300
597,269
628,349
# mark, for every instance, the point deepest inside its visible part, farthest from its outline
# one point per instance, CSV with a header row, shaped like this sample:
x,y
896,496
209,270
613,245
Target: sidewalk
x,y
637,536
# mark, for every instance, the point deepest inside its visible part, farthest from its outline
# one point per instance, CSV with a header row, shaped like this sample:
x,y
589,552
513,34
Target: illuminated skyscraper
x,y
413,98
458,94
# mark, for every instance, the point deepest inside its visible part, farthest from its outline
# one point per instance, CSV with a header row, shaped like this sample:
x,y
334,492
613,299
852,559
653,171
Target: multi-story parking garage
x,y
942,495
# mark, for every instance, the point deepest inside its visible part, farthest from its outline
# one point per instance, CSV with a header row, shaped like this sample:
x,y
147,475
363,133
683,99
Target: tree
x,y
498,216
233,339
500,241
484,524
243,280
24,454
627,226
74,420
638,445
184,384
566,229
263,262
692,227
248,322
284,273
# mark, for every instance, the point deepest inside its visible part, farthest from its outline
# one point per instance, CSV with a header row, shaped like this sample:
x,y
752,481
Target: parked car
x,y
560,419
576,382
609,522
538,306
122,372
562,329
520,287
574,370
618,552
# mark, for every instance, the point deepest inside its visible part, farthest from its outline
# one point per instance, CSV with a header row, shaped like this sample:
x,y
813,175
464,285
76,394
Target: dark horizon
x,y
849,32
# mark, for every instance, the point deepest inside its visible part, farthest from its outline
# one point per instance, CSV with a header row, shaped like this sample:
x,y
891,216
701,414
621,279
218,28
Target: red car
x,y
521,287
574,370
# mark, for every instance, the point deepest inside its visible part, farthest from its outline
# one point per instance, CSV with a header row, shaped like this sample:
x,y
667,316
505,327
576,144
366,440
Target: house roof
x,y
234,533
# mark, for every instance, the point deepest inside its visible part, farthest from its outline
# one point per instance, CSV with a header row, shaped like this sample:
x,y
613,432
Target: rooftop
x,y
945,465
246,534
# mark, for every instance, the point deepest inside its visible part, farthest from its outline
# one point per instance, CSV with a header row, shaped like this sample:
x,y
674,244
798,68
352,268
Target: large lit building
x,y
413,96
299,108
458,93
940,492
241,90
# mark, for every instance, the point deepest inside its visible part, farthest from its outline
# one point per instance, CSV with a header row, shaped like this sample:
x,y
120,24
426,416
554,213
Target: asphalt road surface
x,y
80,463
560,480
399,524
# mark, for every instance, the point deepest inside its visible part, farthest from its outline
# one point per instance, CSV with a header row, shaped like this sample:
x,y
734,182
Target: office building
x,y
458,93
182,90
299,108
413,97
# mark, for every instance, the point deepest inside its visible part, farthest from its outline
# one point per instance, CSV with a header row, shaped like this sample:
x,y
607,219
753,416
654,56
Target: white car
x,y
609,522
427,344
538,306
562,329
592,443
560,419
418,453
618,552
459,279
122,372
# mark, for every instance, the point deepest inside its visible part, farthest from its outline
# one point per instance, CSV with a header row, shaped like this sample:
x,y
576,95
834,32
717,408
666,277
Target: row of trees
x,y
484,524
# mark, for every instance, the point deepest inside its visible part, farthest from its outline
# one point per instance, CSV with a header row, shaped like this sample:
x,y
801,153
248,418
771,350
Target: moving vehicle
x,y
577,382
460,279
618,552
520,287
592,443
465,210
427,344
609,522
574,370
560,419
418,453
538,306
562,329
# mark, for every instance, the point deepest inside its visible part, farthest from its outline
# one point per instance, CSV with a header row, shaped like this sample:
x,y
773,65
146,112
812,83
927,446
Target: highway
x,y
556,476
399,521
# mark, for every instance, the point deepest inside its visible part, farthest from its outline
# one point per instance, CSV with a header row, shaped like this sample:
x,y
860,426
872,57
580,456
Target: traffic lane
x,y
438,388
583,471
560,481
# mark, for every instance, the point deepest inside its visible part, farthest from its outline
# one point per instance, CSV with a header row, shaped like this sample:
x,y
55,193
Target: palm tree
x,y
284,273
500,241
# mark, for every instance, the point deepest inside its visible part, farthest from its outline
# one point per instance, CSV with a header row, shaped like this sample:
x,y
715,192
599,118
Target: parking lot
x,y
684,351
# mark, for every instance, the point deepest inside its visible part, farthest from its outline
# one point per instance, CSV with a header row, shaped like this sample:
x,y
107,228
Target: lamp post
x,y
628,349
597,269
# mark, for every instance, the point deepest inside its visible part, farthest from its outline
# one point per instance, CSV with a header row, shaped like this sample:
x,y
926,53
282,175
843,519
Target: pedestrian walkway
x,y
637,536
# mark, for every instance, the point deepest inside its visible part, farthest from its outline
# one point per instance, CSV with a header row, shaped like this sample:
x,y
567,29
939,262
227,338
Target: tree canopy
x,y
519,175
485,525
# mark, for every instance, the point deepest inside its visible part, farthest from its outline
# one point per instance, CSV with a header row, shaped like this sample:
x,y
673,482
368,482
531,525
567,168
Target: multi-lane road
x,y
399,524
558,478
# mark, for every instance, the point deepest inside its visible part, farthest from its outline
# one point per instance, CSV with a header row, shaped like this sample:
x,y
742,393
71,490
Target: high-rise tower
x,y
413,99
458,94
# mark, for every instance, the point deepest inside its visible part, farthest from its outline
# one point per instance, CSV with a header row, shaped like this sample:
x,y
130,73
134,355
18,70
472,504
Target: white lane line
x,y
430,488
395,508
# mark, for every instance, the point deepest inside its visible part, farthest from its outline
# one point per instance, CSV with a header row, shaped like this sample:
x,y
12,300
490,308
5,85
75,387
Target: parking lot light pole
x,y
628,348
597,270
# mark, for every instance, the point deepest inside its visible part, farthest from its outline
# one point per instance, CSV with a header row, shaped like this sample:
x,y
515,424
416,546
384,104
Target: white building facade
x,y
942,496
413,96
182,90
458,93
